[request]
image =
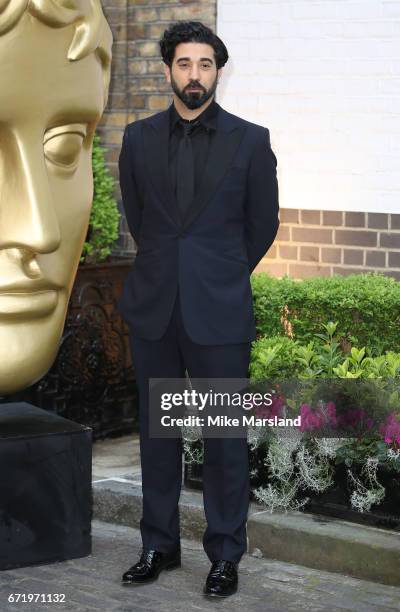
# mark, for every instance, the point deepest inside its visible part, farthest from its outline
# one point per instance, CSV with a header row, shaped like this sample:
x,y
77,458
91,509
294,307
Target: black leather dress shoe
x,y
150,564
222,579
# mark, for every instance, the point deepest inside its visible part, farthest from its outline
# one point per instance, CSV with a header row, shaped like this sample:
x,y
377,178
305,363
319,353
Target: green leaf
x,y
104,219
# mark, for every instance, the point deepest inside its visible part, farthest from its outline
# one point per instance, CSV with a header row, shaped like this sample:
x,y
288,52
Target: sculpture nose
x,y
27,214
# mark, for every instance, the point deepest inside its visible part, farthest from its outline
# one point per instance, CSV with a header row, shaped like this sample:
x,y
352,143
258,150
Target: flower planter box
x,y
193,476
193,472
92,380
336,500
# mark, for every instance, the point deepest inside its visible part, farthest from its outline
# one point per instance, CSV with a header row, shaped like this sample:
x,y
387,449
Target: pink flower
x,y
270,411
312,419
370,423
355,418
331,409
390,430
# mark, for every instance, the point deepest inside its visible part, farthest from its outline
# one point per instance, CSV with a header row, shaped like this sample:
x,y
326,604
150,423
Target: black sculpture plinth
x,y
45,487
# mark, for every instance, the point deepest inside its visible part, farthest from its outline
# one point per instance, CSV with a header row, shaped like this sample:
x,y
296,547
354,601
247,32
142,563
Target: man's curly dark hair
x,y
191,31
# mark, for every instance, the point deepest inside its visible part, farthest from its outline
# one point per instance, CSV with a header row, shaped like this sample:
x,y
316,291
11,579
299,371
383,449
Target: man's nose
x,y
27,214
194,72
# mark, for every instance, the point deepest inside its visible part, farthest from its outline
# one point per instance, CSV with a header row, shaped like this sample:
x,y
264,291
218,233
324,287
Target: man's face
x,y
49,107
193,74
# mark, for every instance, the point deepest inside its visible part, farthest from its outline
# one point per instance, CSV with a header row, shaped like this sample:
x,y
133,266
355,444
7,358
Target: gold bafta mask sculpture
x,y
54,75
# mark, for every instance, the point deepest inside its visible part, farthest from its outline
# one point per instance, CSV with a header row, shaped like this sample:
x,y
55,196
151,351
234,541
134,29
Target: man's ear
x,y
219,73
167,72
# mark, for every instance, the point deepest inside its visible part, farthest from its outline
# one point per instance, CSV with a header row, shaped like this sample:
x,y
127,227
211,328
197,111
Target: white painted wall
x,y
324,77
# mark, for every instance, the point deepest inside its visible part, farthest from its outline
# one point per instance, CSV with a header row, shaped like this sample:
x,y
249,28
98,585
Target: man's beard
x,y
194,99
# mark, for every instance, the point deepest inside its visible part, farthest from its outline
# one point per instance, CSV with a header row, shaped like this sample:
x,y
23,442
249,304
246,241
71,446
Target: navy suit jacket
x,y
210,254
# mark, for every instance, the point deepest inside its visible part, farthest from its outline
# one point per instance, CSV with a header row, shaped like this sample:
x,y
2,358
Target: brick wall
x,y
324,77
323,243
138,86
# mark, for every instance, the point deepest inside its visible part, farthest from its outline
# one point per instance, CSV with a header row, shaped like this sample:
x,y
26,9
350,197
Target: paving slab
x,y
265,585
311,540
307,539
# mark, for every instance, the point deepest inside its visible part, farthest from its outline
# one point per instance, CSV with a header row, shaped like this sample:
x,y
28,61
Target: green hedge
x,y
279,357
367,307
104,217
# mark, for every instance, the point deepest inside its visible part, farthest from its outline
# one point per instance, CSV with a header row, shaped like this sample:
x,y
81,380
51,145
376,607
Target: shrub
x,y
274,357
367,307
104,217
323,356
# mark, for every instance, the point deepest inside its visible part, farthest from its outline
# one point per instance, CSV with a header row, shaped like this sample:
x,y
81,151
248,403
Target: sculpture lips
x,y
28,304
25,285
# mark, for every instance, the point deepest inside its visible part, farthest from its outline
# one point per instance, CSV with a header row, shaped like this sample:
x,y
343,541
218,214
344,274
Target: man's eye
x,y
63,148
206,65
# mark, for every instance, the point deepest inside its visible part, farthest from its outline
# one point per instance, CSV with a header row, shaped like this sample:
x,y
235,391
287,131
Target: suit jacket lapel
x,y
224,145
156,144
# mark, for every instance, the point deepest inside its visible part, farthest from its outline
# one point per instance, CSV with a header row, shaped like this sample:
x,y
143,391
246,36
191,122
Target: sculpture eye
x,y
63,145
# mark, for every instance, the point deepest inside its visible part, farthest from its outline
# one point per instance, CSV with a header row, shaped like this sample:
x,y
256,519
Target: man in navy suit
x,y
200,194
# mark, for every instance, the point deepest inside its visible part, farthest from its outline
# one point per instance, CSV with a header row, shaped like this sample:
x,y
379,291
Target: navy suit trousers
x,y
226,484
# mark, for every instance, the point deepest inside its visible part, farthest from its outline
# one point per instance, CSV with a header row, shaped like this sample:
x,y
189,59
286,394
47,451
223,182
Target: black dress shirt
x,y
201,138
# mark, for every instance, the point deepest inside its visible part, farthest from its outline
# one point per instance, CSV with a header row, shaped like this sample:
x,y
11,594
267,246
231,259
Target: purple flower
x,y
269,412
355,418
321,416
390,429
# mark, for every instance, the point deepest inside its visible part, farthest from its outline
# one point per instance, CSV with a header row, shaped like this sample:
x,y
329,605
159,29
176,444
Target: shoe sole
x,y
219,595
170,566
207,594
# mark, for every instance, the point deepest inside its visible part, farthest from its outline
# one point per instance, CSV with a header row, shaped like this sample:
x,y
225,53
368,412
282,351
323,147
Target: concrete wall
x,y
324,77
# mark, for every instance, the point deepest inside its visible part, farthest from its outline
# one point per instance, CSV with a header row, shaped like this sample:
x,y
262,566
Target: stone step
x,y
311,540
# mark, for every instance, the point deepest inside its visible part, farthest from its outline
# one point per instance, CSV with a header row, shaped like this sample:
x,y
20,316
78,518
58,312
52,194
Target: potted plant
x,y
356,477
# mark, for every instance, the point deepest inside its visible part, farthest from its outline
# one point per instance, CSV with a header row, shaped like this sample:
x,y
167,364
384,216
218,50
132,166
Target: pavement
x,y
308,539
265,584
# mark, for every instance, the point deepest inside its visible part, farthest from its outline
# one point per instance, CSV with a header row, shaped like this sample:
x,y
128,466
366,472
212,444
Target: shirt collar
x,y
208,118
